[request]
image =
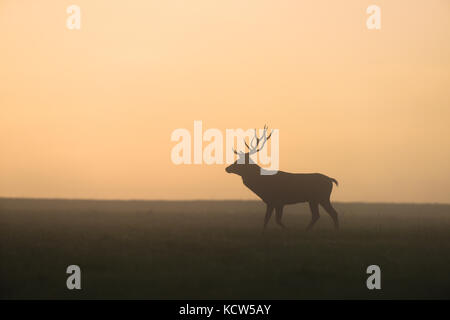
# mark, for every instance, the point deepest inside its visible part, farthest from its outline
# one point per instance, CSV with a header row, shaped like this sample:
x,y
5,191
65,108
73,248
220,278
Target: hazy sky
x,y
89,113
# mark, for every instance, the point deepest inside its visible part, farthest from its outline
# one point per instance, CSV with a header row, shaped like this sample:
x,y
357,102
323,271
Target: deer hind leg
x,y
279,215
314,206
269,211
331,211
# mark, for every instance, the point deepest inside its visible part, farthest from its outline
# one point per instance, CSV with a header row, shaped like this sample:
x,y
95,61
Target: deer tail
x,y
335,181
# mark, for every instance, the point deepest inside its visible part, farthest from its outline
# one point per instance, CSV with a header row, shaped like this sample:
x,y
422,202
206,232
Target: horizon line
x,y
202,200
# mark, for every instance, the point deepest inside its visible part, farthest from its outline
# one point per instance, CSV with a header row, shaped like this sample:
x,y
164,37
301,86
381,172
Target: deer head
x,y
244,165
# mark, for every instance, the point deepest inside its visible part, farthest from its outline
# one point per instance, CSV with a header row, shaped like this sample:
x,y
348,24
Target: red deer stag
x,y
283,188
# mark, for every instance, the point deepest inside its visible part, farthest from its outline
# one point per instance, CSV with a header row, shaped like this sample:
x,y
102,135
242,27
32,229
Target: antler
x,y
254,147
239,153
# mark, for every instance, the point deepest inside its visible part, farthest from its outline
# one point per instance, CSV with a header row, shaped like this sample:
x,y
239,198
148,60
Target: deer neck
x,y
252,178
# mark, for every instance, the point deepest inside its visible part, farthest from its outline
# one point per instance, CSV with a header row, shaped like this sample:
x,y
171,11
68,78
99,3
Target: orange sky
x,y
89,113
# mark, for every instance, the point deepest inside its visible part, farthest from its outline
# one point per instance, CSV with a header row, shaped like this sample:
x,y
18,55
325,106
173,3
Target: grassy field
x,y
216,250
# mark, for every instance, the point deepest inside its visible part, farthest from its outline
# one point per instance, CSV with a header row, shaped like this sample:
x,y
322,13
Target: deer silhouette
x,y
283,188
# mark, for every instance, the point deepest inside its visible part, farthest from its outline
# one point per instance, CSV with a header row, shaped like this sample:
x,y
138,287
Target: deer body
x,y
284,188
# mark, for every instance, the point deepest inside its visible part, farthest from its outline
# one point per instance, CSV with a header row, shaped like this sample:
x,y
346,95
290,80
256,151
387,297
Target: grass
x,y
216,250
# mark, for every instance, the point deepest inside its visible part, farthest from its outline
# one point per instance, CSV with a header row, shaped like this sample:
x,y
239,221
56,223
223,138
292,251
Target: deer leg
x,y
269,211
314,206
331,211
279,215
